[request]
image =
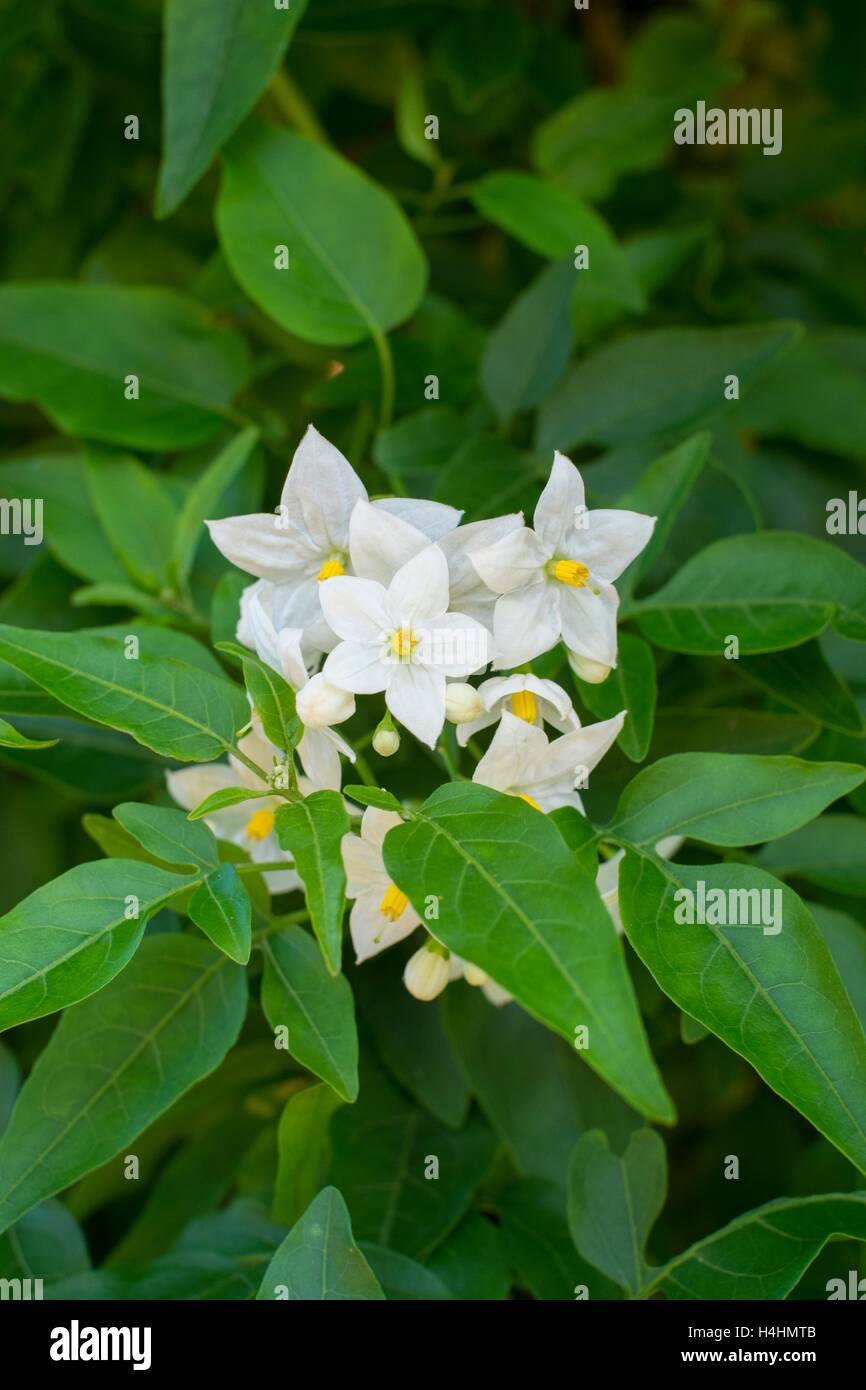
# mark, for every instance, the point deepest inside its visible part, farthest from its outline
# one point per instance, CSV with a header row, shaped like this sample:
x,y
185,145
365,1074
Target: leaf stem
x,y
386,367
295,107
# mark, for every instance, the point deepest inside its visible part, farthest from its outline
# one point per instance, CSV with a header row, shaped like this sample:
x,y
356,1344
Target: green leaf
x,y
168,835
514,901
272,697
554,221
771,590
221,907
528,1083
223,797
776,999
73,935
167,705
70,348
801,677
662,491
613,1203
116,1062
48,1240
304,1148
728,799
830,852
71,528
204,496
472,1262
410,1039
536,1235
11,737
315,1007
374,796
313,829
382,1150
404,1280
764,1254
847,942
121,489
340,230
630,686
648,382
527,351
319,1260
218,60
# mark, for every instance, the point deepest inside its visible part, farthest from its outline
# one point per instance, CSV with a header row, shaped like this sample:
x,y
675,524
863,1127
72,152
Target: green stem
x,y
386,367
275,924
295,107
364,772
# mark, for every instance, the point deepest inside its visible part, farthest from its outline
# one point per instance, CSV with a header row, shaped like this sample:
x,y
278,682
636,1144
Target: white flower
x,y
308,540
249,824
403,640
462,703
593,672
557,581
320,748
386,742
492,992
521,761
427,972
469,593
525,695
381,914
607,878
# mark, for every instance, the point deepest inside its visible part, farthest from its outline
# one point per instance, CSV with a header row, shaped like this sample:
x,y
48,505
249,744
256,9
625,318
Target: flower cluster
x,y
395,598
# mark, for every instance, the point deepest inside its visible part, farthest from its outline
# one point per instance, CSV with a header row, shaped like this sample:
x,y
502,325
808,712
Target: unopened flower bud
x,y
319,703
593,672
462,703
386,742
427,972
472,975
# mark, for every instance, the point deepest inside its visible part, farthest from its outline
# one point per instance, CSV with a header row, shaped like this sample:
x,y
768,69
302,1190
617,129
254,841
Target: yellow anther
x,y
260,825
571,572
394,903
523,704
403,642
330,569
530,800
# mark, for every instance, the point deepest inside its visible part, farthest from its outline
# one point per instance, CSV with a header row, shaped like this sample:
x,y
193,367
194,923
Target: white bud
x,y
593,672
426,973
319,703
462,703
386,742
472,975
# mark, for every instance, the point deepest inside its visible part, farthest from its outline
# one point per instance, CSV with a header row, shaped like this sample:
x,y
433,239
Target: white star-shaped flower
x,y
522,761
403,640
556,581
529,697
307,541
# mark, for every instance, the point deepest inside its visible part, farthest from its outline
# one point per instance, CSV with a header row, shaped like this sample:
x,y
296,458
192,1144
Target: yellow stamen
x,y
530,801
403,642
330,569
571,572
523,704
394,903
260,825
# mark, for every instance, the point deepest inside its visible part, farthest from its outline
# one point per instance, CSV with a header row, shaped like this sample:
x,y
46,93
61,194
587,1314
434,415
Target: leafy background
x,y
454,261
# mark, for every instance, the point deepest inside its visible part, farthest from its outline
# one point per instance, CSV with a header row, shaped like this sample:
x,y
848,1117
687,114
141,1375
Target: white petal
x,y
525,624
372,932
552,776
513,562
258,545
610,541
514,748
191,785
467,586
467,731
359,667
419,589
321,490
320,759
433,519
589,621
416,698
495,994
454,644
560,505
375,824
379,543
363,864
291,657
356,609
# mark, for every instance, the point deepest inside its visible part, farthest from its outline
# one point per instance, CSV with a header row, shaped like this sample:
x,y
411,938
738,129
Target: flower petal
x,y
359,667
589,621
525,624
513,562
320,491
416,698
560,505
258,545
373,932
375,824
552,776
419,589
320,759
454,644
610,541
515,746
432,519
379,543
356,609
363,864
458,547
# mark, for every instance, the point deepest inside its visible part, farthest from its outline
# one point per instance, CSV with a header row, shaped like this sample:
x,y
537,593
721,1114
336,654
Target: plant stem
x,y
295,107
364,771
386,367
